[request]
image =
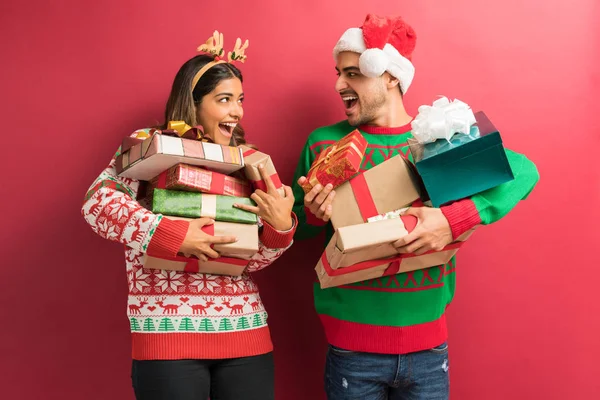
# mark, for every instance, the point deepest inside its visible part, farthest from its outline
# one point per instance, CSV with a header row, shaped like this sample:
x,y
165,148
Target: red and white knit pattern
x,y
180,315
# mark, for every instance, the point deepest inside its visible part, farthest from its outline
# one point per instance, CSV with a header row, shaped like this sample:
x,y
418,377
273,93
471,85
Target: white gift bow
x,y
442,120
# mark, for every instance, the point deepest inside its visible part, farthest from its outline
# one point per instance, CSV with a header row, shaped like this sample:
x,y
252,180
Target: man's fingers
x,y
412,247
323,195
329,200
310,196
301,180
407,239
423,249
327,213
203,258
327,204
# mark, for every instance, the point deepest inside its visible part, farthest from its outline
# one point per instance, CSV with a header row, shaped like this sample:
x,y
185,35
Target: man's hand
x,y
431,233
319,200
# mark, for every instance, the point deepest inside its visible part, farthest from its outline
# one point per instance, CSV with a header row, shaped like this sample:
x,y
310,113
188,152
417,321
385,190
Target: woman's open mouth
x,y
227,128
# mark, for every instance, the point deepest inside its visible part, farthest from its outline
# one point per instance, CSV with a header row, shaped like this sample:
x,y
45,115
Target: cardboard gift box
x,y
467,165
196,179
337,163
150,157
233,256
388,186
252,159
197,205
365,251
218,266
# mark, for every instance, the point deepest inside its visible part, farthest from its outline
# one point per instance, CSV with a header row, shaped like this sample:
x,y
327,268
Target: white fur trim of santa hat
x,y
373,62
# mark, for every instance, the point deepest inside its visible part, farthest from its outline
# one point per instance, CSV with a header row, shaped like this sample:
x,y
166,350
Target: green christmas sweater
x,y
401,313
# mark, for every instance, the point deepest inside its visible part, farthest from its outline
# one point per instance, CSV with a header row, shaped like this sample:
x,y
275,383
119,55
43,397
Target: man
x,y
388,337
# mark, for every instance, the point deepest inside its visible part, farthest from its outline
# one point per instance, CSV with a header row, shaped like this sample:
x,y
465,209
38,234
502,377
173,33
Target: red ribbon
x,y
191,264
391,270
162,180
217,183
410,222
260,184
363,197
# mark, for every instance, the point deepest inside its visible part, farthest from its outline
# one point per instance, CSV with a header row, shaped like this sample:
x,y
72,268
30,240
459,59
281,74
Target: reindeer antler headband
x,y
214,46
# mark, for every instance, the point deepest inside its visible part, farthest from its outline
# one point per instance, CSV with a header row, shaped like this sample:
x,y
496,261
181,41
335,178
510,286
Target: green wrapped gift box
x,y
197,205
468,165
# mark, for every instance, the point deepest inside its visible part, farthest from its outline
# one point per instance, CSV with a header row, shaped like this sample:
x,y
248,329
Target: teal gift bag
x,y
467,165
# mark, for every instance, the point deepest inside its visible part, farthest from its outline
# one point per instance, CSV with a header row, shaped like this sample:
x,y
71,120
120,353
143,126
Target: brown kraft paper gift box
x,y
365,251
151,156
234,256
252,159
388,186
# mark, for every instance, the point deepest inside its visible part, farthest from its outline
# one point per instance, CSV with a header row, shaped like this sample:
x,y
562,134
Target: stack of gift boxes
x,y
463,159
186,178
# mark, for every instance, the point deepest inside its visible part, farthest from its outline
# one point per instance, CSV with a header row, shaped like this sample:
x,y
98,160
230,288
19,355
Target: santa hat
x,y
384,44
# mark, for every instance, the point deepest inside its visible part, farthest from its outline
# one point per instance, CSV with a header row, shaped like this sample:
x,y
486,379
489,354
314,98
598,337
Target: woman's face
x,y
221,110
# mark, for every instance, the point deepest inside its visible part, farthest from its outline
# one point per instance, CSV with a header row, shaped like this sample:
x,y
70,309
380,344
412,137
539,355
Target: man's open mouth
x,y
349,101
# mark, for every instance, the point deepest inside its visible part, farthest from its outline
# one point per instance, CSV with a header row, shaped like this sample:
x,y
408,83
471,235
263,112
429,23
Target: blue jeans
x,y
368,376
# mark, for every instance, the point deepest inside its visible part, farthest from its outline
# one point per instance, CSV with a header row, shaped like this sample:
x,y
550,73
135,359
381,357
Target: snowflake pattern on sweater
x,y
164,302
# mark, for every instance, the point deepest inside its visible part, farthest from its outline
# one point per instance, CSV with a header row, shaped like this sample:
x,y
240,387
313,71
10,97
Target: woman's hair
x,y
182,102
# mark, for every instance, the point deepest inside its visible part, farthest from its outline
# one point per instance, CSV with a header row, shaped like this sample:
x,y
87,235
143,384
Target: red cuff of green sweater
x,y
168,237
274,239
311,219
462,215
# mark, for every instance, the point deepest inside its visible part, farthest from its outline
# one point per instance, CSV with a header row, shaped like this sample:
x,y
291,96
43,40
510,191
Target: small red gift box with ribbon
x,y
252,160
386,187
337,163
196,179
233,256
365,251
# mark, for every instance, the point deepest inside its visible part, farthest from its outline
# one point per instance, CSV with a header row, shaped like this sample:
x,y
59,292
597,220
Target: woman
x,y
195,335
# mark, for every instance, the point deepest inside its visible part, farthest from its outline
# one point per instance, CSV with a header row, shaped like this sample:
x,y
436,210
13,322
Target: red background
x,y
78,76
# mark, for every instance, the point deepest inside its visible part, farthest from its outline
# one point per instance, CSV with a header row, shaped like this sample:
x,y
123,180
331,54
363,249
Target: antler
x,y
238,51
214,45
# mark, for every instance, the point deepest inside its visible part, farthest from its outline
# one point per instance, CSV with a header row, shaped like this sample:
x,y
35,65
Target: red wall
x,y
78,76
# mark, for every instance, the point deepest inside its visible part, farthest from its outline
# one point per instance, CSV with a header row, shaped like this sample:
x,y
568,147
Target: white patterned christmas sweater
x,y
180,315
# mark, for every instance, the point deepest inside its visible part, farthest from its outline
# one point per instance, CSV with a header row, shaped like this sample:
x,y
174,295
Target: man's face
x,y
364,98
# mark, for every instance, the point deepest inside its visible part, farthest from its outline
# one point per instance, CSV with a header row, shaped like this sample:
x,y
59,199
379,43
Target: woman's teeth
x,y
230,124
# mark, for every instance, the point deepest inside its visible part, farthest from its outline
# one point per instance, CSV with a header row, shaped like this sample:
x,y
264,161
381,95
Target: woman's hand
x,y
198,243
272,207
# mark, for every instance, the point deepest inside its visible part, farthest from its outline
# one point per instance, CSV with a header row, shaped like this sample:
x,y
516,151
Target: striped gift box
x,y
158,153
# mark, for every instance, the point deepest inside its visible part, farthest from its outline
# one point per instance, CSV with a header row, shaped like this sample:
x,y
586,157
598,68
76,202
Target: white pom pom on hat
x,y
373,62
385,44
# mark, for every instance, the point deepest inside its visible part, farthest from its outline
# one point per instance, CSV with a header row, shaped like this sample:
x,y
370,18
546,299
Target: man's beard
x,y
368,109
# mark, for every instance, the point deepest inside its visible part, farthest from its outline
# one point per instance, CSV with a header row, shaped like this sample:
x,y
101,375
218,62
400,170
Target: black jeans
x,y
246,378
